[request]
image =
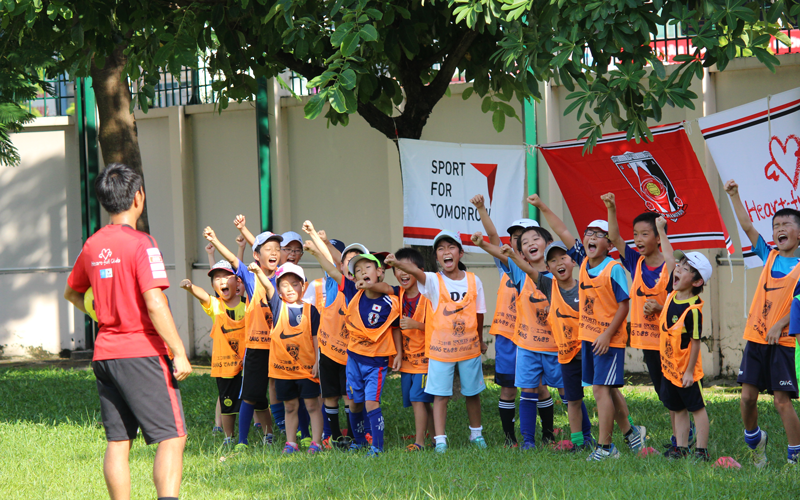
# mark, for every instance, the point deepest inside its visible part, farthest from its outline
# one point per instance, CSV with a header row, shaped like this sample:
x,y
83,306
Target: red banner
x,y
662,176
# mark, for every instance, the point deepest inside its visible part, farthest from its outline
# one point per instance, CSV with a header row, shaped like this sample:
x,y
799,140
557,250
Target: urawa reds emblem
x,y
645,176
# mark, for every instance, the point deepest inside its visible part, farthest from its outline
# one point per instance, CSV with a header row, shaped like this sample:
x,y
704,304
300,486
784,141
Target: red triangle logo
x,y
490,171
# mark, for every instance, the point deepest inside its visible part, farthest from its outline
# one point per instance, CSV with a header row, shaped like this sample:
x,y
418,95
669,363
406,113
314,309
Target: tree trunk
x,y
119,139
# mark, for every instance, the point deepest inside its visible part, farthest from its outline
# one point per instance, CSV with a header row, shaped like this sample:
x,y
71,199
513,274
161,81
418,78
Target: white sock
x,y
440,439
475,432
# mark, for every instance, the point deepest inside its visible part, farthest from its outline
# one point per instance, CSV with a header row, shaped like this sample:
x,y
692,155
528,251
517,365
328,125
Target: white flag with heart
x,y
758,145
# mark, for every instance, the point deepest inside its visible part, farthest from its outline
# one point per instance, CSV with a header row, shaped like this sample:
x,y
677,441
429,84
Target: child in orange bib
x,y
681,323
453,332
294,360
228,335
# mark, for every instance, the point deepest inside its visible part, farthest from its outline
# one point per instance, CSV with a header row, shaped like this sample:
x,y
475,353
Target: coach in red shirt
x,y
136,380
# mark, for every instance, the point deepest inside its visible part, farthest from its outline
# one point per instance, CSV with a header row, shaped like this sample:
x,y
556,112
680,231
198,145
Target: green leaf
x,y
486,104
348,79
467,93
658,67
350,44
314,106
499,120
337,100
76,33
341,32
368,33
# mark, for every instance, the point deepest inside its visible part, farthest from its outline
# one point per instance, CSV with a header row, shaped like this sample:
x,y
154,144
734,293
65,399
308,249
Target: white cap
x,y
453,235
599,224
355,246
698,261
290,236
522,223
289,268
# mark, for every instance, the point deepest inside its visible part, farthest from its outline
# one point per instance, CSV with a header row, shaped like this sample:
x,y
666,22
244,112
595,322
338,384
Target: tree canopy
x,y
391,61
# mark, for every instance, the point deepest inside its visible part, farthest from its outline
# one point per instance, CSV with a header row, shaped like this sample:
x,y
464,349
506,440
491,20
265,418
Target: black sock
x,y
332,415
546,415
630,431
508,409
606,447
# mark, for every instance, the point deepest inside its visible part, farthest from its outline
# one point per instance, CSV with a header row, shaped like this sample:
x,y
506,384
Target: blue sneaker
x,y
374,452
290,448
355,446
478,442
440,448
528,445
216,429
268,439
636,441
228,441
313,448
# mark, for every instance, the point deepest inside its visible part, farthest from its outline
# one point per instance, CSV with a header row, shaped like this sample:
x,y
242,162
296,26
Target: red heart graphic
x,y
783,159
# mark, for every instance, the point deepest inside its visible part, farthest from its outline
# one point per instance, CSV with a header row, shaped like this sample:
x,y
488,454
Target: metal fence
x,y
62,103
193,86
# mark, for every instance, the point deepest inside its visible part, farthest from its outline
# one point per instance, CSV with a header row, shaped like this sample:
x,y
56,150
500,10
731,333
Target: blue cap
x,y
265,237
338,245
290,236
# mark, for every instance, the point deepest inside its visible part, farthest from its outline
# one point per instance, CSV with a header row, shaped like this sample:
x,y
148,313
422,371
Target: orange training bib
x,y
505,314
258,319
564,325
532,330
674,360
451,332
414,359
773,301
227,350
293,355
598,306
333,335
372,342
644,327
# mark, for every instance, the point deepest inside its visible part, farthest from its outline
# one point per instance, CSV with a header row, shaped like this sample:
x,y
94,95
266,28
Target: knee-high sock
x,y
304,420
508,409
586,424
245,419
332,422
546,415
349,422
376,424
279,416
357,427
367,423
527,416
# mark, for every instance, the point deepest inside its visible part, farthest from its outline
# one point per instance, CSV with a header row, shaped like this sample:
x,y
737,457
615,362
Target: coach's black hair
x,y
787,212
412,254
116,187
650,218
544,233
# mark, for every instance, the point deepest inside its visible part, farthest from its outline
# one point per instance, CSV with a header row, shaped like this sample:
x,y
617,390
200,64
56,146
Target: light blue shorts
x,y
534,367
440,377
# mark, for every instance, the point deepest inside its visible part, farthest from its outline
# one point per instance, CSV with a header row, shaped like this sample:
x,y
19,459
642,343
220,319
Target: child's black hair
x,y
411,254
649,218
544,233
787,212
696,290
352,250
116,187
461,265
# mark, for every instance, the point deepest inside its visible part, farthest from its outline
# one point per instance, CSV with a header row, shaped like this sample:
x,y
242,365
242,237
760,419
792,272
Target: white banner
x,y
439,178
758,145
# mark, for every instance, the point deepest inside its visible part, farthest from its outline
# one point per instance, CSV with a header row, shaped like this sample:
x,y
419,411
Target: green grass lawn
x,y
52,444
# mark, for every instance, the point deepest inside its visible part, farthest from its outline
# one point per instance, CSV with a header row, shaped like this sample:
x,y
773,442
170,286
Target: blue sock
x,y
278,415
357,426
245,419
326,424
367,423
794,452
376,424
304,420
586,424
752,438
527,416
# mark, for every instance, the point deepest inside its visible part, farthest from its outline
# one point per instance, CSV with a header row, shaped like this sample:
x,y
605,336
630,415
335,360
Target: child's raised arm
x,y
211,236
336,255
504,253
210,252
488,225
613,228
406,267
380,287
556,224
240,241
666,246
322,248
741,213
199,293
239,222
327,266
256,269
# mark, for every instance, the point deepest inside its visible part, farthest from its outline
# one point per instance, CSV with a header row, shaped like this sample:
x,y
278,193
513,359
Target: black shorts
x,y
229,389
678,398
139,393
652,358
287,390
571,374
332,377
769,367
255,378
504,379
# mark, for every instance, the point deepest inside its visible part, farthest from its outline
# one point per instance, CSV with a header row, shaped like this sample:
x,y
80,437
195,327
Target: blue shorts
x,y
535,367
607,369
505,361
769,367
364,382
573,385
413,385
441,373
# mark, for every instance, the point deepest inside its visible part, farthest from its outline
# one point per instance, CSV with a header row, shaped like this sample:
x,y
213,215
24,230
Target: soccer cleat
x,y
548,439
676,452
227,441
510,445
760,452
355,446
368,437
414,447
305,442
599,454
268,439
326,443
636,441
343,443
702,454
374,452
478,442
257,425
290,448
528,445
313,448
240,447
582,448
216,429
440,448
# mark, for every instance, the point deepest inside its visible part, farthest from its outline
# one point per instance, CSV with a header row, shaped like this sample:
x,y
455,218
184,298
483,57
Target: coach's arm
x,y
160,315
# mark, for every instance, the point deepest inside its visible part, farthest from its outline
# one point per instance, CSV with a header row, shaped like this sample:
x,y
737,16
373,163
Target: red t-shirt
x,y
120,264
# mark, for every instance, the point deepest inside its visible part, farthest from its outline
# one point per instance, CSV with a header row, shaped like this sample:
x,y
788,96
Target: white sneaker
x,y
599,454
760,452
